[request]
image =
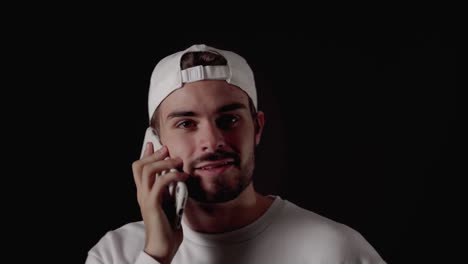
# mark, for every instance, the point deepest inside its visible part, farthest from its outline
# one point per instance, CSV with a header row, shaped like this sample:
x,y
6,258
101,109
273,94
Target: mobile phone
x,y
177,190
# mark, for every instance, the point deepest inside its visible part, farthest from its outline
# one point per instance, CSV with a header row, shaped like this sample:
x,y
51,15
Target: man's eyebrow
x,y
224,108
231,107
180,114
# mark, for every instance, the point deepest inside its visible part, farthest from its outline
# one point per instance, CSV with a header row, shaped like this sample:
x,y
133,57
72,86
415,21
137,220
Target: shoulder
x,y
329,238
125,242
127,233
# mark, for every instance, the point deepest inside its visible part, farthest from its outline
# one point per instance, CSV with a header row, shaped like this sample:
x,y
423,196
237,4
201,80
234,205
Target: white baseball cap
x,y
168,76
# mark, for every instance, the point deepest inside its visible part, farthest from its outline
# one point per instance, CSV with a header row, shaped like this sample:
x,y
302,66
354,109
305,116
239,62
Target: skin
x,y
208,131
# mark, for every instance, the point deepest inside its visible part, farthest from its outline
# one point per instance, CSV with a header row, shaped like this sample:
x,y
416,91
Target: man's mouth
x,y
214,165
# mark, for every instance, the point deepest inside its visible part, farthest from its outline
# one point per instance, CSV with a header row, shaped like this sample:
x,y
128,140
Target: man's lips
x,y
214,164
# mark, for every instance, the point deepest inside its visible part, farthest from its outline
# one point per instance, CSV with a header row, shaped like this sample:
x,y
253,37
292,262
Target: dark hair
x,y
192,59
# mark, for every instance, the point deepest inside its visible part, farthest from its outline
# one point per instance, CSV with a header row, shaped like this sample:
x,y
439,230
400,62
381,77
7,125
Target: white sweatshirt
x,y
286,233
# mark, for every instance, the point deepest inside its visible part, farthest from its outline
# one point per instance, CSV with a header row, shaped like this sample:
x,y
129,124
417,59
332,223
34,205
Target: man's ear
x,y
260,123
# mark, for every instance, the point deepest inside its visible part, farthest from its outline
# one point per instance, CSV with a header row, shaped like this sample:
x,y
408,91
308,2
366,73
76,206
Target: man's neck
x,y
224,217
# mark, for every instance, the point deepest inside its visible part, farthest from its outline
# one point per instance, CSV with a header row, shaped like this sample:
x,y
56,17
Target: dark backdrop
x,y
357,124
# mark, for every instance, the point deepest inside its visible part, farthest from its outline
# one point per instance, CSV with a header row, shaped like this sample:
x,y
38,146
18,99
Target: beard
x,y
226,186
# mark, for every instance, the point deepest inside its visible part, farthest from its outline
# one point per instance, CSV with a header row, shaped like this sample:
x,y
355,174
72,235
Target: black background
x,y
358,122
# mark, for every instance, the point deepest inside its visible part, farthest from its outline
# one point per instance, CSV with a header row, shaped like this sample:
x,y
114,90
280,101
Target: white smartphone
x,y
177,190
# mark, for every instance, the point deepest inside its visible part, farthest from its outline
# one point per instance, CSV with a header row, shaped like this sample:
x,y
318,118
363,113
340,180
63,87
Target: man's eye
x,y
186,124
228,121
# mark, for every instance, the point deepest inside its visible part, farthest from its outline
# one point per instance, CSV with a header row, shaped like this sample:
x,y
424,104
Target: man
x,y
204,123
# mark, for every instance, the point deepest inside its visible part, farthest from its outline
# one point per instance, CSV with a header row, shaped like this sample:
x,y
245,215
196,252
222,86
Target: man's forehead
x,y
205,95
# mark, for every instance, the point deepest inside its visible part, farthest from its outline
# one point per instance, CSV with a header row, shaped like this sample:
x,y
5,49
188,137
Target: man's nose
x,y
211,138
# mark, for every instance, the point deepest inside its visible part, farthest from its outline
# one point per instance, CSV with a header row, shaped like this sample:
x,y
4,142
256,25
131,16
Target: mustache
x,y
218,155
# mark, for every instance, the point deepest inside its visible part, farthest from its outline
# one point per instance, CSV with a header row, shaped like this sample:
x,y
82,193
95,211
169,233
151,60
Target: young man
x,y
204,123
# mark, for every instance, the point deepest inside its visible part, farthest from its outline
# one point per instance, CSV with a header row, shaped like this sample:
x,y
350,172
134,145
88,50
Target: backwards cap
x,y
167,77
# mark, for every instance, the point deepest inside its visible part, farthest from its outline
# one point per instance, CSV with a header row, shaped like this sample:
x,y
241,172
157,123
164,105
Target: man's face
x,y
208,124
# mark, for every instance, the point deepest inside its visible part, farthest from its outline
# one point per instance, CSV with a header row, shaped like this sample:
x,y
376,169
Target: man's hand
x,y
156,205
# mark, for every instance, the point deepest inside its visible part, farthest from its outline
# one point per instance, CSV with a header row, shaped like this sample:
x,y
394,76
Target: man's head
x,y
173,71
203,106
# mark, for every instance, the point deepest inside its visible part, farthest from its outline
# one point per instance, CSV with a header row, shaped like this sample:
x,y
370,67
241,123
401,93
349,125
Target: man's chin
x,y
202,196
222,195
